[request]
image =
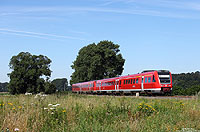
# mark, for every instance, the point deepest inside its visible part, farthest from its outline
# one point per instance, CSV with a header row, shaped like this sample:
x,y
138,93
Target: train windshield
x,y
164,77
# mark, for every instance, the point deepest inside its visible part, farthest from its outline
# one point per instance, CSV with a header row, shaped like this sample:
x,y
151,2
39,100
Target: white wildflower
x,y
44,95
28,93
50,105
57,104
45,108
16,129
52,108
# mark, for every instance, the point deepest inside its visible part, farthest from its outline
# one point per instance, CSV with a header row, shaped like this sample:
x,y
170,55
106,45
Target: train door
x,y
117,84
100,86
142,84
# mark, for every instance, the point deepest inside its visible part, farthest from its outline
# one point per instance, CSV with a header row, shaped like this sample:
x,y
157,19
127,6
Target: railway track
x,y
150,97
168,97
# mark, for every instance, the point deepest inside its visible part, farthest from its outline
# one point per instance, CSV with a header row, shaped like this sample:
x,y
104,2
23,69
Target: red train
x,y
153,81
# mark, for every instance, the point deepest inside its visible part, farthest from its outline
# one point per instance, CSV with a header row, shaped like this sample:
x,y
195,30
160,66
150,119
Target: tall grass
x,y
85,113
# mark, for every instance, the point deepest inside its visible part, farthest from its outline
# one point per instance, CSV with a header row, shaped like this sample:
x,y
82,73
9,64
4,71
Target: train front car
x,y
165,80
156,81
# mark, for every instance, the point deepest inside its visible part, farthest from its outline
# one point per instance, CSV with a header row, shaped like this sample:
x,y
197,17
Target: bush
x,y
49,88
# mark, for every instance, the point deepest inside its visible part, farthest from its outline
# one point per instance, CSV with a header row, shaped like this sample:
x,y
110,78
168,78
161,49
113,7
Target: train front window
x,y
164,77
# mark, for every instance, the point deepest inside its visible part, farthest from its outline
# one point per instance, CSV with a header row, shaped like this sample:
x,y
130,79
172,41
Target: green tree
x,y
3,87
186,83
61,84
27,72
49,88
97,61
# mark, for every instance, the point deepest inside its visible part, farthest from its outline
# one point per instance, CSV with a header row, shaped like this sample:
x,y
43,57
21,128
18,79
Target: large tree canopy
x,y
61,84
27,72
97,61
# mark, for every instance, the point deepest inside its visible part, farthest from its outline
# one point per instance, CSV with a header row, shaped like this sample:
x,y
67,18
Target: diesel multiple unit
x,y
154,81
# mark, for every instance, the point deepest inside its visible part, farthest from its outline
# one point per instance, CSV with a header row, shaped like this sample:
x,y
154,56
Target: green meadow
x,y
83,113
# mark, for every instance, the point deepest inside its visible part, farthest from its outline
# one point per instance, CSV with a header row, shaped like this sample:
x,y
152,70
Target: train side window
x,y
131,81
149,79
124,81
120,82
137,81
134,81
145,79
128,81
153,79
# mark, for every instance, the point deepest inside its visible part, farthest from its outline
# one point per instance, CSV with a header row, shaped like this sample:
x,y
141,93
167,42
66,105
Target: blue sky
x,y
152,34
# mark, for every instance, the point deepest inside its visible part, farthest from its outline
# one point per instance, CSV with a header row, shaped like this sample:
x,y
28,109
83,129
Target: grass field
x,y
82,113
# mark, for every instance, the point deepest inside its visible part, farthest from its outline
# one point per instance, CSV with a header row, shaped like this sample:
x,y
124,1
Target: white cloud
x,y
6,14
176,4
77,10
162,8
37,35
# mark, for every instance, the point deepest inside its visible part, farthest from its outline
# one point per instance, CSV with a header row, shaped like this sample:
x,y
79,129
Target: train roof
x,y
123,77
154,70
83,83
